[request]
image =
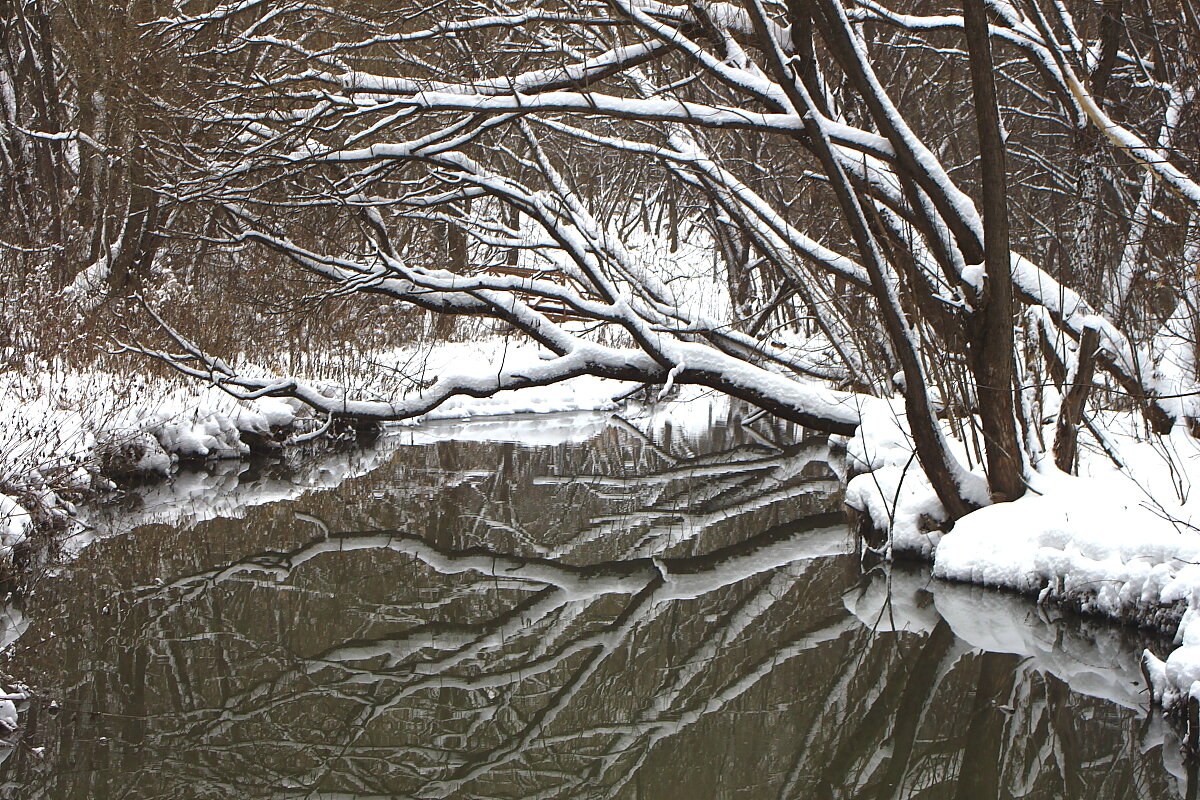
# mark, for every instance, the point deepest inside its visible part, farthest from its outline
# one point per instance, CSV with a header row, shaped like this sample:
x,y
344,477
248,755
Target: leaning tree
x,y
985,207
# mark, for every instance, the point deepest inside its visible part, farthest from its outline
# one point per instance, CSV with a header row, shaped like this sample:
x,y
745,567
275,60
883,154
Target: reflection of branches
x,y
547,623
1028,676
544,602
416,662
691,496
379,675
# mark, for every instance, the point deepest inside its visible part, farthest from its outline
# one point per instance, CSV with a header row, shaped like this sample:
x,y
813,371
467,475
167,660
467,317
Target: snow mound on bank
x,y
1086,538
892,490
202,423
1118,542
63,431
1102,541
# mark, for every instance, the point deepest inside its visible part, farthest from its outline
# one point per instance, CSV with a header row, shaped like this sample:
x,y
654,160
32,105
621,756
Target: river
x,y
558,607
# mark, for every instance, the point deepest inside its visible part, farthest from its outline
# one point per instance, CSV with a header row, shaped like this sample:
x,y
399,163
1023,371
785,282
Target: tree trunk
x,y
1070,413
992,327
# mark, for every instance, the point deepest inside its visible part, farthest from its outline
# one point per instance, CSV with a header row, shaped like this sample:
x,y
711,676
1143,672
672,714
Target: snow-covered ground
x,y
1118,542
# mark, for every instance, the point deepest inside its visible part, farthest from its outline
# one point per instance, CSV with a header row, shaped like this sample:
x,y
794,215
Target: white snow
x,y
1122,543
892,489
1102,541
8,716
14,521
973,275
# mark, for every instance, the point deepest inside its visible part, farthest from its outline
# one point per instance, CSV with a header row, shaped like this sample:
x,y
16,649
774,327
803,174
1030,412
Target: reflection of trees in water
x,y
658,628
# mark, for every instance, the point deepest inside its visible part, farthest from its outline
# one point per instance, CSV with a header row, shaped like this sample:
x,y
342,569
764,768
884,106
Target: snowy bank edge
x,y
142,436
1100,543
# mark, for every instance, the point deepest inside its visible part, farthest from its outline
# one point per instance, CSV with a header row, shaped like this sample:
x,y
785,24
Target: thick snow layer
x,y
892,490
1123,543
1120,542
58,425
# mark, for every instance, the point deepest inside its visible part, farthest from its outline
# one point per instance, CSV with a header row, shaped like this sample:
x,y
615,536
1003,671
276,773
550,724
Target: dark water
x,y
624,615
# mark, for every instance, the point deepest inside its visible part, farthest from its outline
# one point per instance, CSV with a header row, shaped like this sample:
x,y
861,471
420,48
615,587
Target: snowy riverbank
x,y
68,434
1116,541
